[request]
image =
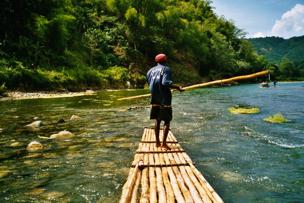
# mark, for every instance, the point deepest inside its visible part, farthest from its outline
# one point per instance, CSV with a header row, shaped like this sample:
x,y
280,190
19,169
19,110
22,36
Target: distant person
x,y
160,82
275,83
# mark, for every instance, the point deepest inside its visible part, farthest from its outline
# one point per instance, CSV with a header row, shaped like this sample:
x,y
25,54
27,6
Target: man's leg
x,y
156,130
166,131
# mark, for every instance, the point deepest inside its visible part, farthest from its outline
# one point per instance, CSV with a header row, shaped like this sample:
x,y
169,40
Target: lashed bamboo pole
x,y
180,181
195,181
194,193
145,178
208,188
134,193
174,183
152,178
203,181
205,84
160,185
129,186
169,191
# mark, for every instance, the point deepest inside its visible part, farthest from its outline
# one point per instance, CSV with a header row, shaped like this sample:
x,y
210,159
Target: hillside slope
x,y
276,48
286,55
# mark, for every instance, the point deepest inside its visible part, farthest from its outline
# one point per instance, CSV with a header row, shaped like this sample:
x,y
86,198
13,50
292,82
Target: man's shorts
x,y
162,113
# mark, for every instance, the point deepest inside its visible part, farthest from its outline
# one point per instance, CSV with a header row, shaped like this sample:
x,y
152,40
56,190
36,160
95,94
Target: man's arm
x,y
167,80
179,88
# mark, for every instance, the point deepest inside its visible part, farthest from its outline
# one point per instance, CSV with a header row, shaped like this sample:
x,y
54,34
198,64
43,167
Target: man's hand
x,y
180,88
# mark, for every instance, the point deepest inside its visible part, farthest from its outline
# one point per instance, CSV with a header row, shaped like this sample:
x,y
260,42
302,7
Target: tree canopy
x,y
97,35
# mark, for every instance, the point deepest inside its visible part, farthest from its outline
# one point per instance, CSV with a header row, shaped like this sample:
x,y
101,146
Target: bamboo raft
x,y
157,175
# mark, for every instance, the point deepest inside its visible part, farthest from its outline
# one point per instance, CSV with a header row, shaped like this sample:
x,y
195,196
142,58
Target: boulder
x,y
74,117
90,92
34,146
16,144
52,195
4,171
62,135
34,125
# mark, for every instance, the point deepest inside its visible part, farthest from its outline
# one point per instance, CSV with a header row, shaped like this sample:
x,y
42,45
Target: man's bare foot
x,y
157,144
166,147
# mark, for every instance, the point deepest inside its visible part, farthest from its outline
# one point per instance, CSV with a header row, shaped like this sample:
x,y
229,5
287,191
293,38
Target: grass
x,y
17,76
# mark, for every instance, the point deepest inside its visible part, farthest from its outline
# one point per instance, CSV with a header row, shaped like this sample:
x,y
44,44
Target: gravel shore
x,y
16,95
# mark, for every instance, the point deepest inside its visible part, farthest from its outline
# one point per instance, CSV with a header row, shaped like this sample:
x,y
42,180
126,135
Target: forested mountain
x,y
74,44
286,54
276,48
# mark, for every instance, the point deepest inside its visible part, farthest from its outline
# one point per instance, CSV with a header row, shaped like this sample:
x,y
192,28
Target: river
x,y
243,157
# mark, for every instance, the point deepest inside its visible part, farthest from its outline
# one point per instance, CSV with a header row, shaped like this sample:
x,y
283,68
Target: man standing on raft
x,y
160,82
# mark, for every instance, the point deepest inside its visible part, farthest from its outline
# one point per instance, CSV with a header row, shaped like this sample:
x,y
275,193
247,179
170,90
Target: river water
x,y
244,158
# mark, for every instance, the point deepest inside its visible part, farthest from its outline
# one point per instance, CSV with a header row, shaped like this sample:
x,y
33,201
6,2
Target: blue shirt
x,y
159,79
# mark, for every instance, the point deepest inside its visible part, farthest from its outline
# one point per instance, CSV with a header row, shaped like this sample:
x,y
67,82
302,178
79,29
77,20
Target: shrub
x,y
3,90
117,76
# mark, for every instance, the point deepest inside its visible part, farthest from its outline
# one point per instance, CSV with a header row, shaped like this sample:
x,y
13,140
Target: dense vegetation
x,y
75,44
286,55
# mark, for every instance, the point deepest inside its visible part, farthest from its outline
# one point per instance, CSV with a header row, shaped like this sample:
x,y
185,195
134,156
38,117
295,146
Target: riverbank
x,y
17,95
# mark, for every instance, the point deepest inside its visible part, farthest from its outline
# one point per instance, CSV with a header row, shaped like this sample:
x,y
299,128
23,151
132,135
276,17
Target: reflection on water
x,y
244,158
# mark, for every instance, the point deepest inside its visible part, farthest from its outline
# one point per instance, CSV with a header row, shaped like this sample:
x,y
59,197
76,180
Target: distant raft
x,y
157,175
264,84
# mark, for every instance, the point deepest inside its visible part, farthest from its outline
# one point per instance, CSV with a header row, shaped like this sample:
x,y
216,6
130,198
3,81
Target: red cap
x,y
160,58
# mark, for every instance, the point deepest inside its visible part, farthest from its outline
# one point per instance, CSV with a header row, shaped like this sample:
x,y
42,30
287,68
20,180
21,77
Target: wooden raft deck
x,y
166,176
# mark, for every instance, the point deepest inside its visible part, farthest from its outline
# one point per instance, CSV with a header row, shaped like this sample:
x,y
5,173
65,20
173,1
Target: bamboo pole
x,y
134,193
208,188
194,193
152,178
205,84
174,182
159,183
145,172
200,188
129,186
215,196
169,191
180,181
216,82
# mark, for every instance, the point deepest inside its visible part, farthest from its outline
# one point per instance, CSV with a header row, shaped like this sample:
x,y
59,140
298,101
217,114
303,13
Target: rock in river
x,y
4,171
16,144
34,146
61,120
74,117
62,135
34,125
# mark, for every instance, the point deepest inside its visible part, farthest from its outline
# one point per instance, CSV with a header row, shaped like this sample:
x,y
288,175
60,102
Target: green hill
x,y
286,54
276,48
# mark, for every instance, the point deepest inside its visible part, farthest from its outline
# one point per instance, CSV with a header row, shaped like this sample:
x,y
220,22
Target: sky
x,y
261,18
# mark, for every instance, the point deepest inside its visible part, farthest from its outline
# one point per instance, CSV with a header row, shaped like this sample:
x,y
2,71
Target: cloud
x,y
291,23
258,34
